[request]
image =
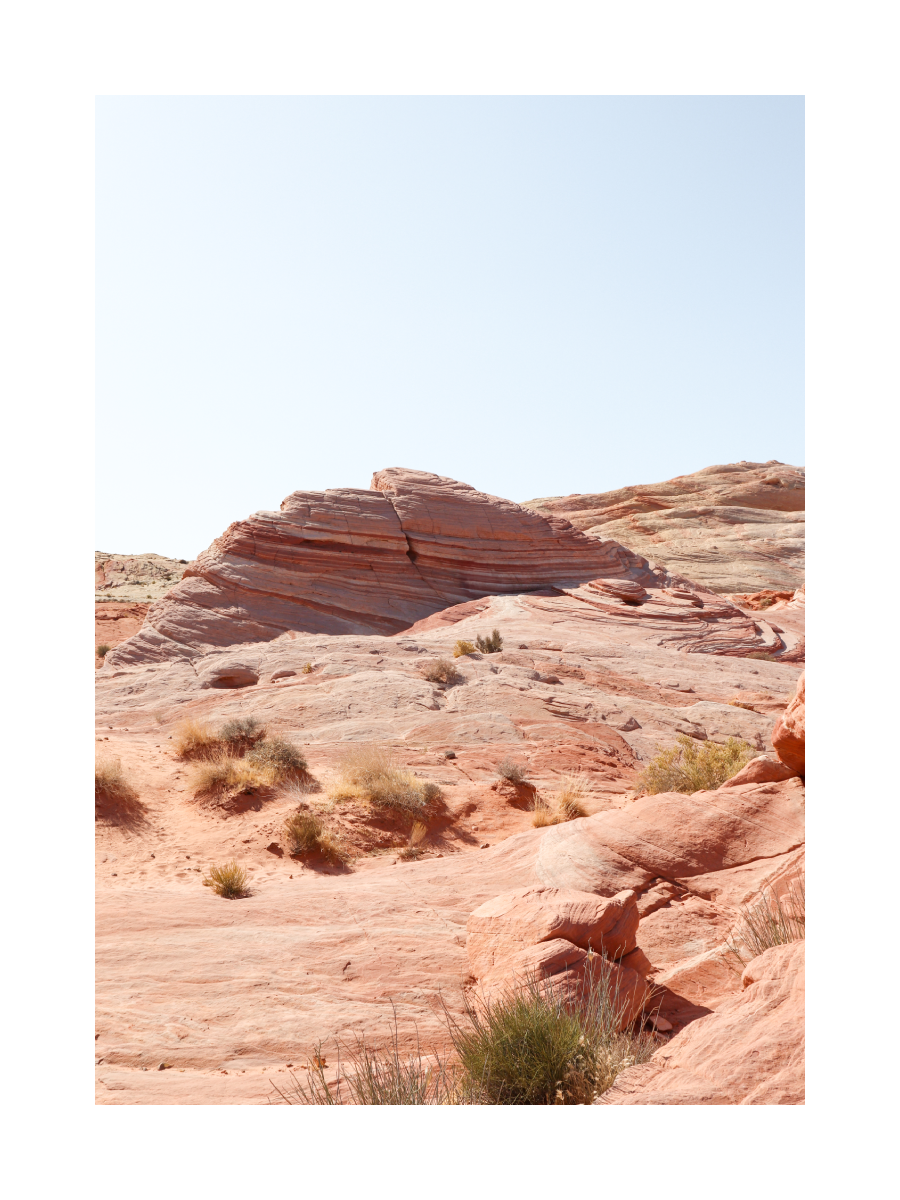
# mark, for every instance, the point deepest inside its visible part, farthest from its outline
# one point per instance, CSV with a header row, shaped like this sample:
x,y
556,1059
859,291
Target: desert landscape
x,y
388,761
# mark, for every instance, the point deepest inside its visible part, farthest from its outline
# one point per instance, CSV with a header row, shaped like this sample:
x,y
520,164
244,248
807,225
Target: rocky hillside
x,y
327,624
737,528
134,578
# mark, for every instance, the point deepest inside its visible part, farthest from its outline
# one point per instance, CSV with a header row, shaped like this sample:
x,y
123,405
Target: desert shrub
x,y
441,671
413,848
229,881
462,648
196,740
762,655
371,773
767,602
306,833
542,814
110,781
308,669
693,766
510,770
490,645
238,735
280,758
226,776
569,800
531,1045
103,649
771,921
371,1075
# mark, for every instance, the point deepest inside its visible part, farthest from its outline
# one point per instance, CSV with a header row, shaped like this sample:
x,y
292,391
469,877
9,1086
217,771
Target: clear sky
x,y
536,295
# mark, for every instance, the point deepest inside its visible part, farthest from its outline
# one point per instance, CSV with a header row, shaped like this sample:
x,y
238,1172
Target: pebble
x,y
449,754
161,1067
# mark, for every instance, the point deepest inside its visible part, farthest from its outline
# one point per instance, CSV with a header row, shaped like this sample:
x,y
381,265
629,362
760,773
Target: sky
x,y
535,295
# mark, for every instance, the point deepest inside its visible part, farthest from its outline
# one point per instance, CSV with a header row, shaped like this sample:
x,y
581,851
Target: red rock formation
x,y
355,561
789,734
750,1051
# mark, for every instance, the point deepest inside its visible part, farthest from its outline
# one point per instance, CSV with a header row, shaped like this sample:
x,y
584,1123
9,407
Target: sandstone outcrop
x,y
134,577
750,1051
351,561
789,734
734,528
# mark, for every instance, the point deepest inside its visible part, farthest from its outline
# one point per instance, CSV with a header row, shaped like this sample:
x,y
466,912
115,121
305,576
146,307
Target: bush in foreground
x,y
306,833
441,671
279,758
693,766
229,881
371,773
115,799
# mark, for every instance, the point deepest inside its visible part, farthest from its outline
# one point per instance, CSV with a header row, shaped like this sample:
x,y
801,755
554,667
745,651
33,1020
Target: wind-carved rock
x,y
355,561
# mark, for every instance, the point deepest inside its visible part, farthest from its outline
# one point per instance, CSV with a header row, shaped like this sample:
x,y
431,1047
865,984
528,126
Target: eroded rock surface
x,y
789,734
738,527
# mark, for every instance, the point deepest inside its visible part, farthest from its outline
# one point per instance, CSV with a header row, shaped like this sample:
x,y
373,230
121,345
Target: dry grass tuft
x,y
737,702
462,648
512,771
103,649
566,804
441,670
115,799
227,777
306,833
761,655
229,881
239,735
694,766
195,740
773,921
280,758
371,773
413,848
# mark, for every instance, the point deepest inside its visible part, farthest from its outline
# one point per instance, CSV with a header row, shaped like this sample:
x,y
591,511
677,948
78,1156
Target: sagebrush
x,y
441,671
512,771
490,645
693,766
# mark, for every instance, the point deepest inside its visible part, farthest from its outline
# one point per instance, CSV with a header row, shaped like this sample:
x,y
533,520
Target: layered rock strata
x,y
738,527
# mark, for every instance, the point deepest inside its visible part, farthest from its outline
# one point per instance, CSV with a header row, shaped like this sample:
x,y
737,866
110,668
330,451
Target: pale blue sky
x,y
535,295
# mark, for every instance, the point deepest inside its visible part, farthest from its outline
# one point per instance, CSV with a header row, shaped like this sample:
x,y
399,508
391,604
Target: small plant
x,y
195,740
542,814
280,758
570,797
772,921
229,881
761,655
308,669
463,648
441,671
238,735
115,800
694,766
226,777
103,649
767,602
371,773
532,1045
490,645
510,770
371,1075
306,833
413,848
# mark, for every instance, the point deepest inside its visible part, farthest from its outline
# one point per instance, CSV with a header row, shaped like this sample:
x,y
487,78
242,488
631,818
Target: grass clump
x,y
229,881
103,649
441,670
308,669
532,1045
511,771
773,921
371,773
280,758
462,648
241,733
228,777
413,848
306,833
490,645
567,804
196,740
115,800
693,766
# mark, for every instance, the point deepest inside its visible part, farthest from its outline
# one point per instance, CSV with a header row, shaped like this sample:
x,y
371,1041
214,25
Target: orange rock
x,y
760,770
751,1051
789,734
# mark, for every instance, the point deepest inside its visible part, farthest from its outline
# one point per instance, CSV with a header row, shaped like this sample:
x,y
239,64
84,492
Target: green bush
x,y
490,645
103,649
693,766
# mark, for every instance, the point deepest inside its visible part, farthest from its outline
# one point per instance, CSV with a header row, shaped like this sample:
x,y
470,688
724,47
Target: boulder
x,y
514,921
750,1051
789,734
761,770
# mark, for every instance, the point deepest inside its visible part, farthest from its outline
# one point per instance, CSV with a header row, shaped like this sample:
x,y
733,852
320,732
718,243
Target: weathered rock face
x,y
735,528
789,734
350,561
750,1051
134,577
